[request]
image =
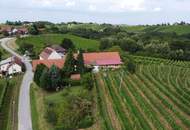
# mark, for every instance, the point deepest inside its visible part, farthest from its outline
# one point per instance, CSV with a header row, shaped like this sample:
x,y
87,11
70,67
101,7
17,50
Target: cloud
x,y
92,7
116,11
70,3
157,9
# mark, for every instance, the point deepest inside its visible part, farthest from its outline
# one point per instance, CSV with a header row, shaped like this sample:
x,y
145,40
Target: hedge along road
x,y
24,111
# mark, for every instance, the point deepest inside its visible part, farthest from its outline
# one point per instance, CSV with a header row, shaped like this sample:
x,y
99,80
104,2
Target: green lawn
x,y
41,41
5,54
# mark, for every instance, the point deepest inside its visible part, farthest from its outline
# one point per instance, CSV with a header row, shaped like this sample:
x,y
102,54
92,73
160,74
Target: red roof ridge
x,y
102,58
57,62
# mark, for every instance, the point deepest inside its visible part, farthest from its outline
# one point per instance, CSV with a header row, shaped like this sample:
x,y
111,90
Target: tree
x,y
129,44
105,43
67,44
87,81
33,30
130,65
55,78
80,63
44,79
39,70
26,47
69,66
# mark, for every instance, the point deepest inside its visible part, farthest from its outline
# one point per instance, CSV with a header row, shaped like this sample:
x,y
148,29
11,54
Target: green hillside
x,y
179,29
133,28
41,41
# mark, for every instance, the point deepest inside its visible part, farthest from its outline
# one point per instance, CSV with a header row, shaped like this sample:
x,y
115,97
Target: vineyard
x,y
9,92
156,97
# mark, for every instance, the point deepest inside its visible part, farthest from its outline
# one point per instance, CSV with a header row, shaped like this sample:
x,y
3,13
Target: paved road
x,y
24,114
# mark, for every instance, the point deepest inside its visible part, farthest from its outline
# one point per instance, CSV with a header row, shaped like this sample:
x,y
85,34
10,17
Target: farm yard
x,y
157,96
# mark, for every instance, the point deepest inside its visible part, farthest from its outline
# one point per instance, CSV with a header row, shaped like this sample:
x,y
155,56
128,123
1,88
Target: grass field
x,y
41,41
5,54
8,109
156,97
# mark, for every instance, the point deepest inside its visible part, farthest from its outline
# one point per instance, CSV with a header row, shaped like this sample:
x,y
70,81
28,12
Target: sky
x,y
131,12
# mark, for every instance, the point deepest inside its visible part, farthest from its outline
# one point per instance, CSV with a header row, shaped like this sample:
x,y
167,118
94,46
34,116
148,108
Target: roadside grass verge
x,y
34,111
5,54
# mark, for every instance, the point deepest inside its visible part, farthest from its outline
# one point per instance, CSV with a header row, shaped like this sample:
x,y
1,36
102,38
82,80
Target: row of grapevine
x,y
156,97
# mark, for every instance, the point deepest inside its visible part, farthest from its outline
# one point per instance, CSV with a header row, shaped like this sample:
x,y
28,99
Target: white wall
x,y
54,55
41,58
96,69
15,68
4,67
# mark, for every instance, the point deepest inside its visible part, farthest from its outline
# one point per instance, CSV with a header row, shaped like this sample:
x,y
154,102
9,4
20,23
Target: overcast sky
x,y
110,11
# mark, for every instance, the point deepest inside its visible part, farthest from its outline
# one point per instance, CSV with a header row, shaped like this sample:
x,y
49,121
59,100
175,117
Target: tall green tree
x,y
69,66
67,44
44,79
131,66
80,63
37,74
105,43
87,81
33,30
55,78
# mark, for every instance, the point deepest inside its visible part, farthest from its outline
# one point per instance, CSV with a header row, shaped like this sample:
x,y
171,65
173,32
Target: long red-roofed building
x,y
102,59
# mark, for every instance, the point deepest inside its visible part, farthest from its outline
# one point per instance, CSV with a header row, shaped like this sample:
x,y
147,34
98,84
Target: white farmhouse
x,y
55,52
11,66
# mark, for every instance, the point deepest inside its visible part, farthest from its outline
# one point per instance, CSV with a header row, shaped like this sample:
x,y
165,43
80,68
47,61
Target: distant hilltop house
x,y
54,52
102,60
14,31
7,29
11,66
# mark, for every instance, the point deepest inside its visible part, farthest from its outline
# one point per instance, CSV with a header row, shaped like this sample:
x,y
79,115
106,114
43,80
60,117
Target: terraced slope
x,y
156,97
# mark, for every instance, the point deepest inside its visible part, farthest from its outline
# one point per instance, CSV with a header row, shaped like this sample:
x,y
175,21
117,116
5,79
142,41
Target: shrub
x,y
87,81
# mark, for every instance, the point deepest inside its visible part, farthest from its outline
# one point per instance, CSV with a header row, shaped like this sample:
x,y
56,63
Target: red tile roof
x,y
59,63
46,52
75,77
102,58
